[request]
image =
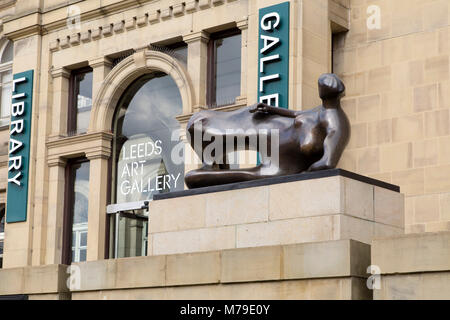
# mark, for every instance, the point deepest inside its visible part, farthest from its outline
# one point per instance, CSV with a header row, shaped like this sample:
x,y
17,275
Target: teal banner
x,y
19,147
273,66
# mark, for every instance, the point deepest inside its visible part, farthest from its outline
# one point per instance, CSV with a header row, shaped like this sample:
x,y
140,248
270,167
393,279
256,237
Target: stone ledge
x,y
279,180
34,280
412,253
334,259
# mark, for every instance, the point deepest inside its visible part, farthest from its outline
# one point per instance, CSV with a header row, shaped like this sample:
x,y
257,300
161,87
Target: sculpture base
x,y
312,207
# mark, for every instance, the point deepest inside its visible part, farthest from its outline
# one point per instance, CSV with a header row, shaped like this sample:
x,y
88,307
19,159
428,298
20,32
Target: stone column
x,y
243,26
55,215
98,197
198,65
61,79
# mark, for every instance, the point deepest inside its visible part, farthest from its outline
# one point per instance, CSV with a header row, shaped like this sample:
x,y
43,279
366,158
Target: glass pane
x,y
228,69
8,53
146,134
132,239
83,239
2,222
81,188
80,207
6,93
1,247
82,255
84,101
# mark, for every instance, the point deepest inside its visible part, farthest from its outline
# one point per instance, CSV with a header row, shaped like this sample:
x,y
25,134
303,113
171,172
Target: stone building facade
x,y
393,56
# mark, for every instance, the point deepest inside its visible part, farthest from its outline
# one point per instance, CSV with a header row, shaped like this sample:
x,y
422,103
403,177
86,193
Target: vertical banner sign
x,y
19,147
273,48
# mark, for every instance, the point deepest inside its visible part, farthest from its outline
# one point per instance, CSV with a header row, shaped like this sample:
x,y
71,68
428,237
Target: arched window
x,y
147,161
148,157
6,77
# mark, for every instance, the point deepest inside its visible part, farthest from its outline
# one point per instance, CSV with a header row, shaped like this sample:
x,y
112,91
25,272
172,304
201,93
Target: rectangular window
x,y
80,103
76,211
224,68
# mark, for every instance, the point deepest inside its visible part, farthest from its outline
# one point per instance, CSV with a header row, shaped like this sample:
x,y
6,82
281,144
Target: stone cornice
x,y
100,62
151,17
44,25
24,33
57,141
196,36
92,145
242,24
57,162
60,72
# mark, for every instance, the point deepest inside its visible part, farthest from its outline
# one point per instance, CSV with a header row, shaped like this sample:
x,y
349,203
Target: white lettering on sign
x,y
142,150
17,129
266,21
269,22
158,183
134,175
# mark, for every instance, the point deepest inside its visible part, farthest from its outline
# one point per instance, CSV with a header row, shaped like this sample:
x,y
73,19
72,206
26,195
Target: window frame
x,y
73,100
69,198
211,85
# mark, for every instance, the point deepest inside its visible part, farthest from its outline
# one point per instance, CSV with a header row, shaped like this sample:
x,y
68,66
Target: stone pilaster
x,y
198,65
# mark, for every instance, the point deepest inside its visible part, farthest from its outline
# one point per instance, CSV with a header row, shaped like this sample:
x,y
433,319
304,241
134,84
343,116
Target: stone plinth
x,y
313,207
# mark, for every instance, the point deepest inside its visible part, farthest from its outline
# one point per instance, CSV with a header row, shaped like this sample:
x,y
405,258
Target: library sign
x,y
273,50
19,147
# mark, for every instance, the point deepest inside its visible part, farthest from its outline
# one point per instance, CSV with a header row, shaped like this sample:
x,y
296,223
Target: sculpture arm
x,y
262,107
338,135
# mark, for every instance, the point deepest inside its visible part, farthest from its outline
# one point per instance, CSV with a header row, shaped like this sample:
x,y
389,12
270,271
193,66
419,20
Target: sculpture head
x,y
330,86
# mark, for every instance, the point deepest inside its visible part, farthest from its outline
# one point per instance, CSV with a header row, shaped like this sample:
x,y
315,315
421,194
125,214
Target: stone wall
x,y
398,101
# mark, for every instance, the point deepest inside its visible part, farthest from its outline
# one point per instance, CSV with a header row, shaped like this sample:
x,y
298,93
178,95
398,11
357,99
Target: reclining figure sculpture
x,y
308,140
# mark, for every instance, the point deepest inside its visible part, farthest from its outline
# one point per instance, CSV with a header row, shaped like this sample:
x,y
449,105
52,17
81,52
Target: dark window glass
x,y
224,70
77,203
80,101
2,220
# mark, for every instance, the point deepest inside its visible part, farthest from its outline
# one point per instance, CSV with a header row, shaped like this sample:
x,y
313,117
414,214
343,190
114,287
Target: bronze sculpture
x,y
309,140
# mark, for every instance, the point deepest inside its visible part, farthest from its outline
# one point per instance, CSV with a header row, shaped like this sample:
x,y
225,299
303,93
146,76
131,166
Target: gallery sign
x,y
273,51
19,147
